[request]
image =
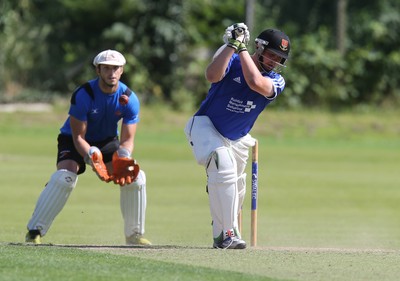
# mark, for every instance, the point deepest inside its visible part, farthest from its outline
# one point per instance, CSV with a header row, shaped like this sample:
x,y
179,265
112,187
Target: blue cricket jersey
x,y
102,112
232,106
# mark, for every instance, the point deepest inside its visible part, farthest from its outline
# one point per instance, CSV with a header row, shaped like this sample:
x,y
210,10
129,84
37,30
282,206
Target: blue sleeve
x,y
131,115
233,58
278,83
79,109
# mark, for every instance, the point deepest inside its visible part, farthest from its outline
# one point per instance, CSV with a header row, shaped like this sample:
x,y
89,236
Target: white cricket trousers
x,y
230,183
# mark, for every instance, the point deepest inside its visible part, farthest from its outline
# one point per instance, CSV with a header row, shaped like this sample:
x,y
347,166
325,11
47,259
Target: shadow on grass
x,y
87,246
177,247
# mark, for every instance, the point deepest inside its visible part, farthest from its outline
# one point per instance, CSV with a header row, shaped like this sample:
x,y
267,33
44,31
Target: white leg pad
x,y
133,205
52,200
222,190
241,185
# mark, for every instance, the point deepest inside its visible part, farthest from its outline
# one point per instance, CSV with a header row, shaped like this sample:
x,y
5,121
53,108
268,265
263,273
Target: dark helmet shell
x,y
275,41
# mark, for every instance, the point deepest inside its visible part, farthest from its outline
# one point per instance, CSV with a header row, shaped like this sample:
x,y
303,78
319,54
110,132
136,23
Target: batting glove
x,y
238,32
241,48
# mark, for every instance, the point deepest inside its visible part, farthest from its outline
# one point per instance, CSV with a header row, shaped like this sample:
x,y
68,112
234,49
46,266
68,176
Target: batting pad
x,y
241,185
52,200
133,205
222,190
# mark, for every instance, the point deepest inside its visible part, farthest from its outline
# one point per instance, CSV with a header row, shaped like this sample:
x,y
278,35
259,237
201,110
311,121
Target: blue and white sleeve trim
x,y
278,84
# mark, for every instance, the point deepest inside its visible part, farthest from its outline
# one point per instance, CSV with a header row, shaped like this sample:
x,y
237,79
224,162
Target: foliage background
x,y
47,47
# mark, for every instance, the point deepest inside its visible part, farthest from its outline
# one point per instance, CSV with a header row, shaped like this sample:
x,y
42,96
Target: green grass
x,y
328,203
46,263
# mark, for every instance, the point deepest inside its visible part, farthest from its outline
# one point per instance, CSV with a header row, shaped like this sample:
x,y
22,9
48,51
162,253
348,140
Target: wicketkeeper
x,y
242,85
90,136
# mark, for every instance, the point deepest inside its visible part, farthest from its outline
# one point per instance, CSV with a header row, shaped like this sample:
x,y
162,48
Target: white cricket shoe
x,y
230,243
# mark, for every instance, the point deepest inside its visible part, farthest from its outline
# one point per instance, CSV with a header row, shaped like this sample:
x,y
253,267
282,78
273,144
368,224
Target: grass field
x,y
328,203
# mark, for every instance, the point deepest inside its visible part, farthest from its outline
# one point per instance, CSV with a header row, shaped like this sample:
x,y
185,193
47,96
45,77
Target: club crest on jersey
x,y
284,45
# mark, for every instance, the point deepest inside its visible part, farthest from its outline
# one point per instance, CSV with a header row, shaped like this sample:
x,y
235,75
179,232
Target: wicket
x,y
254,194
254,197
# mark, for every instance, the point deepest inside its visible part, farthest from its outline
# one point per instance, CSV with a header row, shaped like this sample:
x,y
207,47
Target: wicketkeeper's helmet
x,y
275,41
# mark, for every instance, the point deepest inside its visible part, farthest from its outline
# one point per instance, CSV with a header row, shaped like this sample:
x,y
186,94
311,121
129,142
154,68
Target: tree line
x,y
344,53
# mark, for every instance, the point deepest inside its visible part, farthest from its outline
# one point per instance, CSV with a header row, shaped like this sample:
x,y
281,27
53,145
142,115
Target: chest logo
x,y
237,80
240,106
94,111
249,106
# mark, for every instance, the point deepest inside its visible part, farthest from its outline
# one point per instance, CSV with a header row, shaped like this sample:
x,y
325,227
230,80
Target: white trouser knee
x,y
222,190
133,205
52,200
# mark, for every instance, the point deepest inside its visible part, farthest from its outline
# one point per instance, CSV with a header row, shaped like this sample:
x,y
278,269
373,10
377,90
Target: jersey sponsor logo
x,y
250,106
239,106
237,80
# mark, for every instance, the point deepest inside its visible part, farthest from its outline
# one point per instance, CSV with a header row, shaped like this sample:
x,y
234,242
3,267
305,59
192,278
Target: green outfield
x,y
329,203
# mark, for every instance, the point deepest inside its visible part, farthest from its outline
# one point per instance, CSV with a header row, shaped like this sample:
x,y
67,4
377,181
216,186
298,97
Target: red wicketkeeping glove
x,y
125,169
95,159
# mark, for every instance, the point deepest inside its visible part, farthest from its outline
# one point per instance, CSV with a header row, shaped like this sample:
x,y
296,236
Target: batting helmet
x,y
274,41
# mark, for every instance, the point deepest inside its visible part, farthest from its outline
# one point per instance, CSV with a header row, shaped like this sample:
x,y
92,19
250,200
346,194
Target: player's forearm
x,y
127,145
81,145
216,69
253,77
250,71
127,139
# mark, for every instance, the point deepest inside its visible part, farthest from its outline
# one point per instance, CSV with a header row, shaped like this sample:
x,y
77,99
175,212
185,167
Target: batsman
x,y
90,136
242,85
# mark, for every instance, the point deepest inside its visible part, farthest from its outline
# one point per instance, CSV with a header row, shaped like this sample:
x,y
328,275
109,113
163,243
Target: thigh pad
x,y
221,166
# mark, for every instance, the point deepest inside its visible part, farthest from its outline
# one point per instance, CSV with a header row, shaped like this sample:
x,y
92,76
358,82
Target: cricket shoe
x,y
230,243
137,239
33,236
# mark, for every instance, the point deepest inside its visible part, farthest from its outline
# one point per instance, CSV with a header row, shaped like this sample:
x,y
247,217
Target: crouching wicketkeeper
x,y
90,136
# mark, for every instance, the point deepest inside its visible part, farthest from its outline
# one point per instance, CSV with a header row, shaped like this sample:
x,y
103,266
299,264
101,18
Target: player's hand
x,y
125,169
95,159
237,32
